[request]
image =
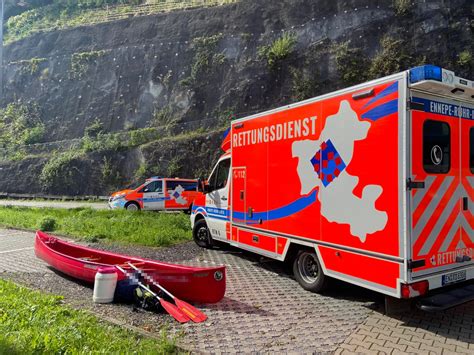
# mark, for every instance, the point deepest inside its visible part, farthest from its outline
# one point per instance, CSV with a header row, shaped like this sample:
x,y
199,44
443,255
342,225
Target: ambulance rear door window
x,y
436,147
471,149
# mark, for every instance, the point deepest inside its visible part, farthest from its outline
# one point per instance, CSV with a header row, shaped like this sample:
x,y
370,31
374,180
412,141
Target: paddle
x,y
169,307
192,312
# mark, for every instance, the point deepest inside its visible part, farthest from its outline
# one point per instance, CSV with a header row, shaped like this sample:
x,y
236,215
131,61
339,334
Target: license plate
x,y
454,277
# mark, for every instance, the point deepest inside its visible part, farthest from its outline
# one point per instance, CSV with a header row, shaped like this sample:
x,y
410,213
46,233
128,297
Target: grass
x,y
141,228
35,323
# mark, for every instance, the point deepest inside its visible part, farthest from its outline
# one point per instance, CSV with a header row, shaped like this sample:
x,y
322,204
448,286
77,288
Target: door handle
x,y
224,198
465,205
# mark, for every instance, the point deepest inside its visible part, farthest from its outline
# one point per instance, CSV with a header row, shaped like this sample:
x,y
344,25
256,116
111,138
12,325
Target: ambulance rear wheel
x,y
132,206
308,272
201,235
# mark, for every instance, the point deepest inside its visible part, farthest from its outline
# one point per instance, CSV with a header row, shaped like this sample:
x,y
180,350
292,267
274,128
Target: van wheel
x,y
308,272
201,234
132,206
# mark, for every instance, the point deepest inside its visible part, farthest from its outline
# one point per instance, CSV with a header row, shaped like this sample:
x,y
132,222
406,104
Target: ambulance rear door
x,y
440,188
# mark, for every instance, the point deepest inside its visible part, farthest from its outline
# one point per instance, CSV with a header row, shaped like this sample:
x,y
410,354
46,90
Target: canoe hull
x,y
194,284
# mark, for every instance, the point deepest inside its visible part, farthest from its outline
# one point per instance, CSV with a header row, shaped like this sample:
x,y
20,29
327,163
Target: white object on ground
x,y
104,285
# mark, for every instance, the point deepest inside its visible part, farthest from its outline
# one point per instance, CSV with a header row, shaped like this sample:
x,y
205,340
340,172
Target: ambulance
x,y
157,194
372,185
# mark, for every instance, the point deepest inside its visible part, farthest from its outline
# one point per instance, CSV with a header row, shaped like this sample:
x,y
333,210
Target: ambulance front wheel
x,y
308,272
132,206
201,234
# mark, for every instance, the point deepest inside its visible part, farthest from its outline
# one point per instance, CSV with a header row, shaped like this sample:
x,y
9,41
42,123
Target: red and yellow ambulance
x,y
373,185
157,194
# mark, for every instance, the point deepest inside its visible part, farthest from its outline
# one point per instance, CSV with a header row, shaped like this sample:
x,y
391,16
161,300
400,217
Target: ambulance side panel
x,y
327,173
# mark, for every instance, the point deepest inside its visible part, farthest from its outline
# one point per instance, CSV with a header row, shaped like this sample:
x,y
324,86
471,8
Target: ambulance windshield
x,y
218,179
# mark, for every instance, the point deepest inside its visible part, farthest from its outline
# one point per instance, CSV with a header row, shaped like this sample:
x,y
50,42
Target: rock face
x,y
195,70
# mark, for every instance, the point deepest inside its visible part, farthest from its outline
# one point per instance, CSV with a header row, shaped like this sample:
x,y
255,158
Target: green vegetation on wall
x,y
94,129
205,59
60,172
30,66
392,57
280,49
466,59
303,86
165,119
80,63
402,7
110,176
350,63
20,124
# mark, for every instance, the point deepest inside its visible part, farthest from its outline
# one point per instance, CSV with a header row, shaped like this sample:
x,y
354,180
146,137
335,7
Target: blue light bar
x,y
425,72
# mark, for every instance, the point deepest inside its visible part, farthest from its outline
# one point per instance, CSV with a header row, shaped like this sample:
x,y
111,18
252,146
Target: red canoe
x,y
195,284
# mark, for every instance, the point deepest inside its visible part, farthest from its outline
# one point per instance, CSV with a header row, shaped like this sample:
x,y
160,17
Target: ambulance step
x,y
447,299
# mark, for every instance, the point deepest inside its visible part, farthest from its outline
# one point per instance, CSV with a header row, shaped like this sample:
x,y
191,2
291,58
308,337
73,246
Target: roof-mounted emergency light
x,y
442,81
425,72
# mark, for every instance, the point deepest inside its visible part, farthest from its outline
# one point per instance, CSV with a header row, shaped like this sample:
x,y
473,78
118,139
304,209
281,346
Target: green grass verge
x,y
35,323
143,228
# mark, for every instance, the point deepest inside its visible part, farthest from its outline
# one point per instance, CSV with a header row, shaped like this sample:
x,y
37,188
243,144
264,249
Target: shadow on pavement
x,y
336,289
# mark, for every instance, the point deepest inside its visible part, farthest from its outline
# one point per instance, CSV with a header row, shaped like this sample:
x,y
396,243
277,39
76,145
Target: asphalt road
x,y
54,204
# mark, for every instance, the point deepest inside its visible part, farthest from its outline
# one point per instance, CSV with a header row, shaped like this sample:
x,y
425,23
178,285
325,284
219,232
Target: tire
x,y
132,206
201,235
308,272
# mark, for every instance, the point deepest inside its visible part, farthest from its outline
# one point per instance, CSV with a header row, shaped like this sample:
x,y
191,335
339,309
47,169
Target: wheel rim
x,y
132,207
308,267
202,235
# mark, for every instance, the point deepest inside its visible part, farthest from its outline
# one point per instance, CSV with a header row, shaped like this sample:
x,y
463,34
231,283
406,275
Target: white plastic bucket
x,y
104,285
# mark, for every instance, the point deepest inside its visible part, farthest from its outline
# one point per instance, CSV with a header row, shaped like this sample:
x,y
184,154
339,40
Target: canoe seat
x,y
89,258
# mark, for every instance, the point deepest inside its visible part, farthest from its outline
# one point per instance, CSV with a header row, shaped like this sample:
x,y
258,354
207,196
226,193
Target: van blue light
x,y
425,72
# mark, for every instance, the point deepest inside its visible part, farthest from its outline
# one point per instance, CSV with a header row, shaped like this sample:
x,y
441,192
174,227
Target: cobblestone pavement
x,y
265,310
446,332
17,252
55,204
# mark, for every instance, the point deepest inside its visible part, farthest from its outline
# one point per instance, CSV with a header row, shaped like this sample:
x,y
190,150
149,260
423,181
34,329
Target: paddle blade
x,y
174,311
192,312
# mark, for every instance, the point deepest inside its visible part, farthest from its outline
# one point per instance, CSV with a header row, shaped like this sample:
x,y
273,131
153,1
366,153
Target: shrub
x,y
205,58
402,7
20,124
47,224
302,87
350,63
80,63
59,172
278,50
391,59
30,66
465,58
95,128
